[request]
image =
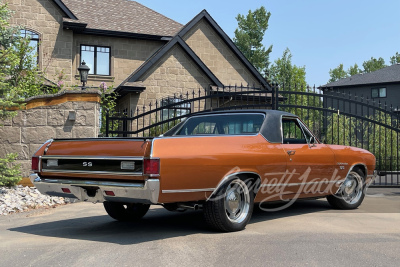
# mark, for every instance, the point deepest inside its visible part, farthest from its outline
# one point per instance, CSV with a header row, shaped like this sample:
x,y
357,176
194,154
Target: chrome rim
x,y
352,188
237,201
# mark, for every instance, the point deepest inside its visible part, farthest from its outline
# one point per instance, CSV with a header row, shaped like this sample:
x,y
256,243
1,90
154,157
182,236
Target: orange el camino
x,y
220,162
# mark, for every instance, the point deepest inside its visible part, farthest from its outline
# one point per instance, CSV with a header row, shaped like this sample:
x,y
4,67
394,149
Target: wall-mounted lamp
x,y
83,72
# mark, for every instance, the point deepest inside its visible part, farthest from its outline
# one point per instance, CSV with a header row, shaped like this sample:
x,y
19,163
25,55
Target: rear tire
x,y
230,209
126,212
351,193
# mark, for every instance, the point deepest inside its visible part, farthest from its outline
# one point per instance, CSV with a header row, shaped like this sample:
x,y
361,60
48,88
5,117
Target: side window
x,y
205,128
292,132
33,43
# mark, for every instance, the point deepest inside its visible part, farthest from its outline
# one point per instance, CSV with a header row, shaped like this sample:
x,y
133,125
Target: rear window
x,y
226,124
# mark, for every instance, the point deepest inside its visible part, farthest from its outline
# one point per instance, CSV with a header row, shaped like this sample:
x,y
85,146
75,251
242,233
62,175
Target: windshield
x,y
224,124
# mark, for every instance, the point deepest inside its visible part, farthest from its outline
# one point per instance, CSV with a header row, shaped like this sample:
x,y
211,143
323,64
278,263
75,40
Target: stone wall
x,y
69,114
175,73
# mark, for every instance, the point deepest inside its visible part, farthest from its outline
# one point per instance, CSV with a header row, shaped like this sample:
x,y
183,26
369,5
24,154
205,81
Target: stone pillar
x,y
68,114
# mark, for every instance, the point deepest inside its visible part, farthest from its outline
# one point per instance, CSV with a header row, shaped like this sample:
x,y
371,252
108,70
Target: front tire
x,y
351,193
126,212
231,208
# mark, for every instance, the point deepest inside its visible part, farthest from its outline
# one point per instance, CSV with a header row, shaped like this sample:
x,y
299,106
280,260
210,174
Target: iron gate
x,y
334,117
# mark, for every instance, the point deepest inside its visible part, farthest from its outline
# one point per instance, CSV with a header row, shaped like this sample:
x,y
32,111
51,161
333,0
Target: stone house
x,y
143,54
380,88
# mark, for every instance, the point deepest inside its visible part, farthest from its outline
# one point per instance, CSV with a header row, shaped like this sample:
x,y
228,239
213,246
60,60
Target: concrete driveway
x,y
308,233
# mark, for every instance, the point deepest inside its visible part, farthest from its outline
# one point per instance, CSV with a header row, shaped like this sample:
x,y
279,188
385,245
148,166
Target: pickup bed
x,y
221,162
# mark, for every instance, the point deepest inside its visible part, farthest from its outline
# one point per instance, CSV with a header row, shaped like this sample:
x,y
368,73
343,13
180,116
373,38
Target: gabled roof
x,y
389,74
65,9
133,78
110,17
205,15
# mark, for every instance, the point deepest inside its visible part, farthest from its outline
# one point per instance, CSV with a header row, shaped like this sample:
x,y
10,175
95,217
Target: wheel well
x,y
361,168
252,181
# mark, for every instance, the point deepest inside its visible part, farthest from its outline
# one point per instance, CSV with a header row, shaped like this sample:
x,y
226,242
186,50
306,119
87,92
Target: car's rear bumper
x,y
99,191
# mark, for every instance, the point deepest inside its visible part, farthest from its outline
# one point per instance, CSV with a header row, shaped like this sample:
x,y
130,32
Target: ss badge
x,y
87,164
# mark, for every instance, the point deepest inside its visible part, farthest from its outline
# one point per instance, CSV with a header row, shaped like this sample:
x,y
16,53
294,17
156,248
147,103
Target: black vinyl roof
x,y
271,128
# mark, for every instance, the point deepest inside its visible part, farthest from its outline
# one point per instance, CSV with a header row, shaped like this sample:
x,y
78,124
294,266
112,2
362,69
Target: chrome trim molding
x,y
218,135
91,183
152,146
132,139
92,172
298,184
92,157
146,192
49,140
210,135
40,164
188,190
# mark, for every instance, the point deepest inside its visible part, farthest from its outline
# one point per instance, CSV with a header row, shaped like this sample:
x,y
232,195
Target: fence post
x,y
275,96
107,123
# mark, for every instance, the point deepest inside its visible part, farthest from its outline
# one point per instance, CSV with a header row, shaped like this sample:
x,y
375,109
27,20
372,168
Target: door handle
x,y
291,152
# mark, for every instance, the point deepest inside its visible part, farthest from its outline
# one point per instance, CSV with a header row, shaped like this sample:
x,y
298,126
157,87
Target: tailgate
x,y
100,158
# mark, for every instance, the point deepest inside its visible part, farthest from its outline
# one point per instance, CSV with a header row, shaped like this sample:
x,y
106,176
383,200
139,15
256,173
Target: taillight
x,y
35,164
151,167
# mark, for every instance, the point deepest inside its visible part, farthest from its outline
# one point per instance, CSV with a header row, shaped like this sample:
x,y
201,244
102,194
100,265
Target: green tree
x,y
17,80
373,64
395,59
353,70
249,36
18,71
10,173
108,106
337,73
285,73
7,40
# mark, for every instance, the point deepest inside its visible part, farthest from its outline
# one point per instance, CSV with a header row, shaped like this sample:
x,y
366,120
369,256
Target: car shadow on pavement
x,y
158,224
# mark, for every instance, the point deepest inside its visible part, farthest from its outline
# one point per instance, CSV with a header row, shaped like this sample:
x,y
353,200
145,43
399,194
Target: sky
x,y
320,34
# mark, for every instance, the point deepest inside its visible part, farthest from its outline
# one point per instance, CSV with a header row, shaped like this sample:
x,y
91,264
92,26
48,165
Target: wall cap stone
x,y
62,97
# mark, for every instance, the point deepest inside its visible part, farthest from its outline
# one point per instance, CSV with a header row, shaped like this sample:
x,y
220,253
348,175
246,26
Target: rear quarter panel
x,y
197,163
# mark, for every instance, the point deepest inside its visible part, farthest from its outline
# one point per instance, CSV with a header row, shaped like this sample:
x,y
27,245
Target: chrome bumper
x,y
371,178
99,191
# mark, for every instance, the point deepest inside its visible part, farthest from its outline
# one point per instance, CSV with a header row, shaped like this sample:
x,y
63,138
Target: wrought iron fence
x,y
334,117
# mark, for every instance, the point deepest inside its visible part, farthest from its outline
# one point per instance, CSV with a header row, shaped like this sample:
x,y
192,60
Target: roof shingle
x,y
386,75
122,16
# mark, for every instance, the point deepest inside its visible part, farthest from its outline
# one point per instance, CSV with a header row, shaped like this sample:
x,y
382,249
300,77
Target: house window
x,y
378,92
97,58
33,42
173,108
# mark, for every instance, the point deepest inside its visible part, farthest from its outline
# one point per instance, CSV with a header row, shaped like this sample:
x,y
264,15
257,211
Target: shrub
x,y
10,173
